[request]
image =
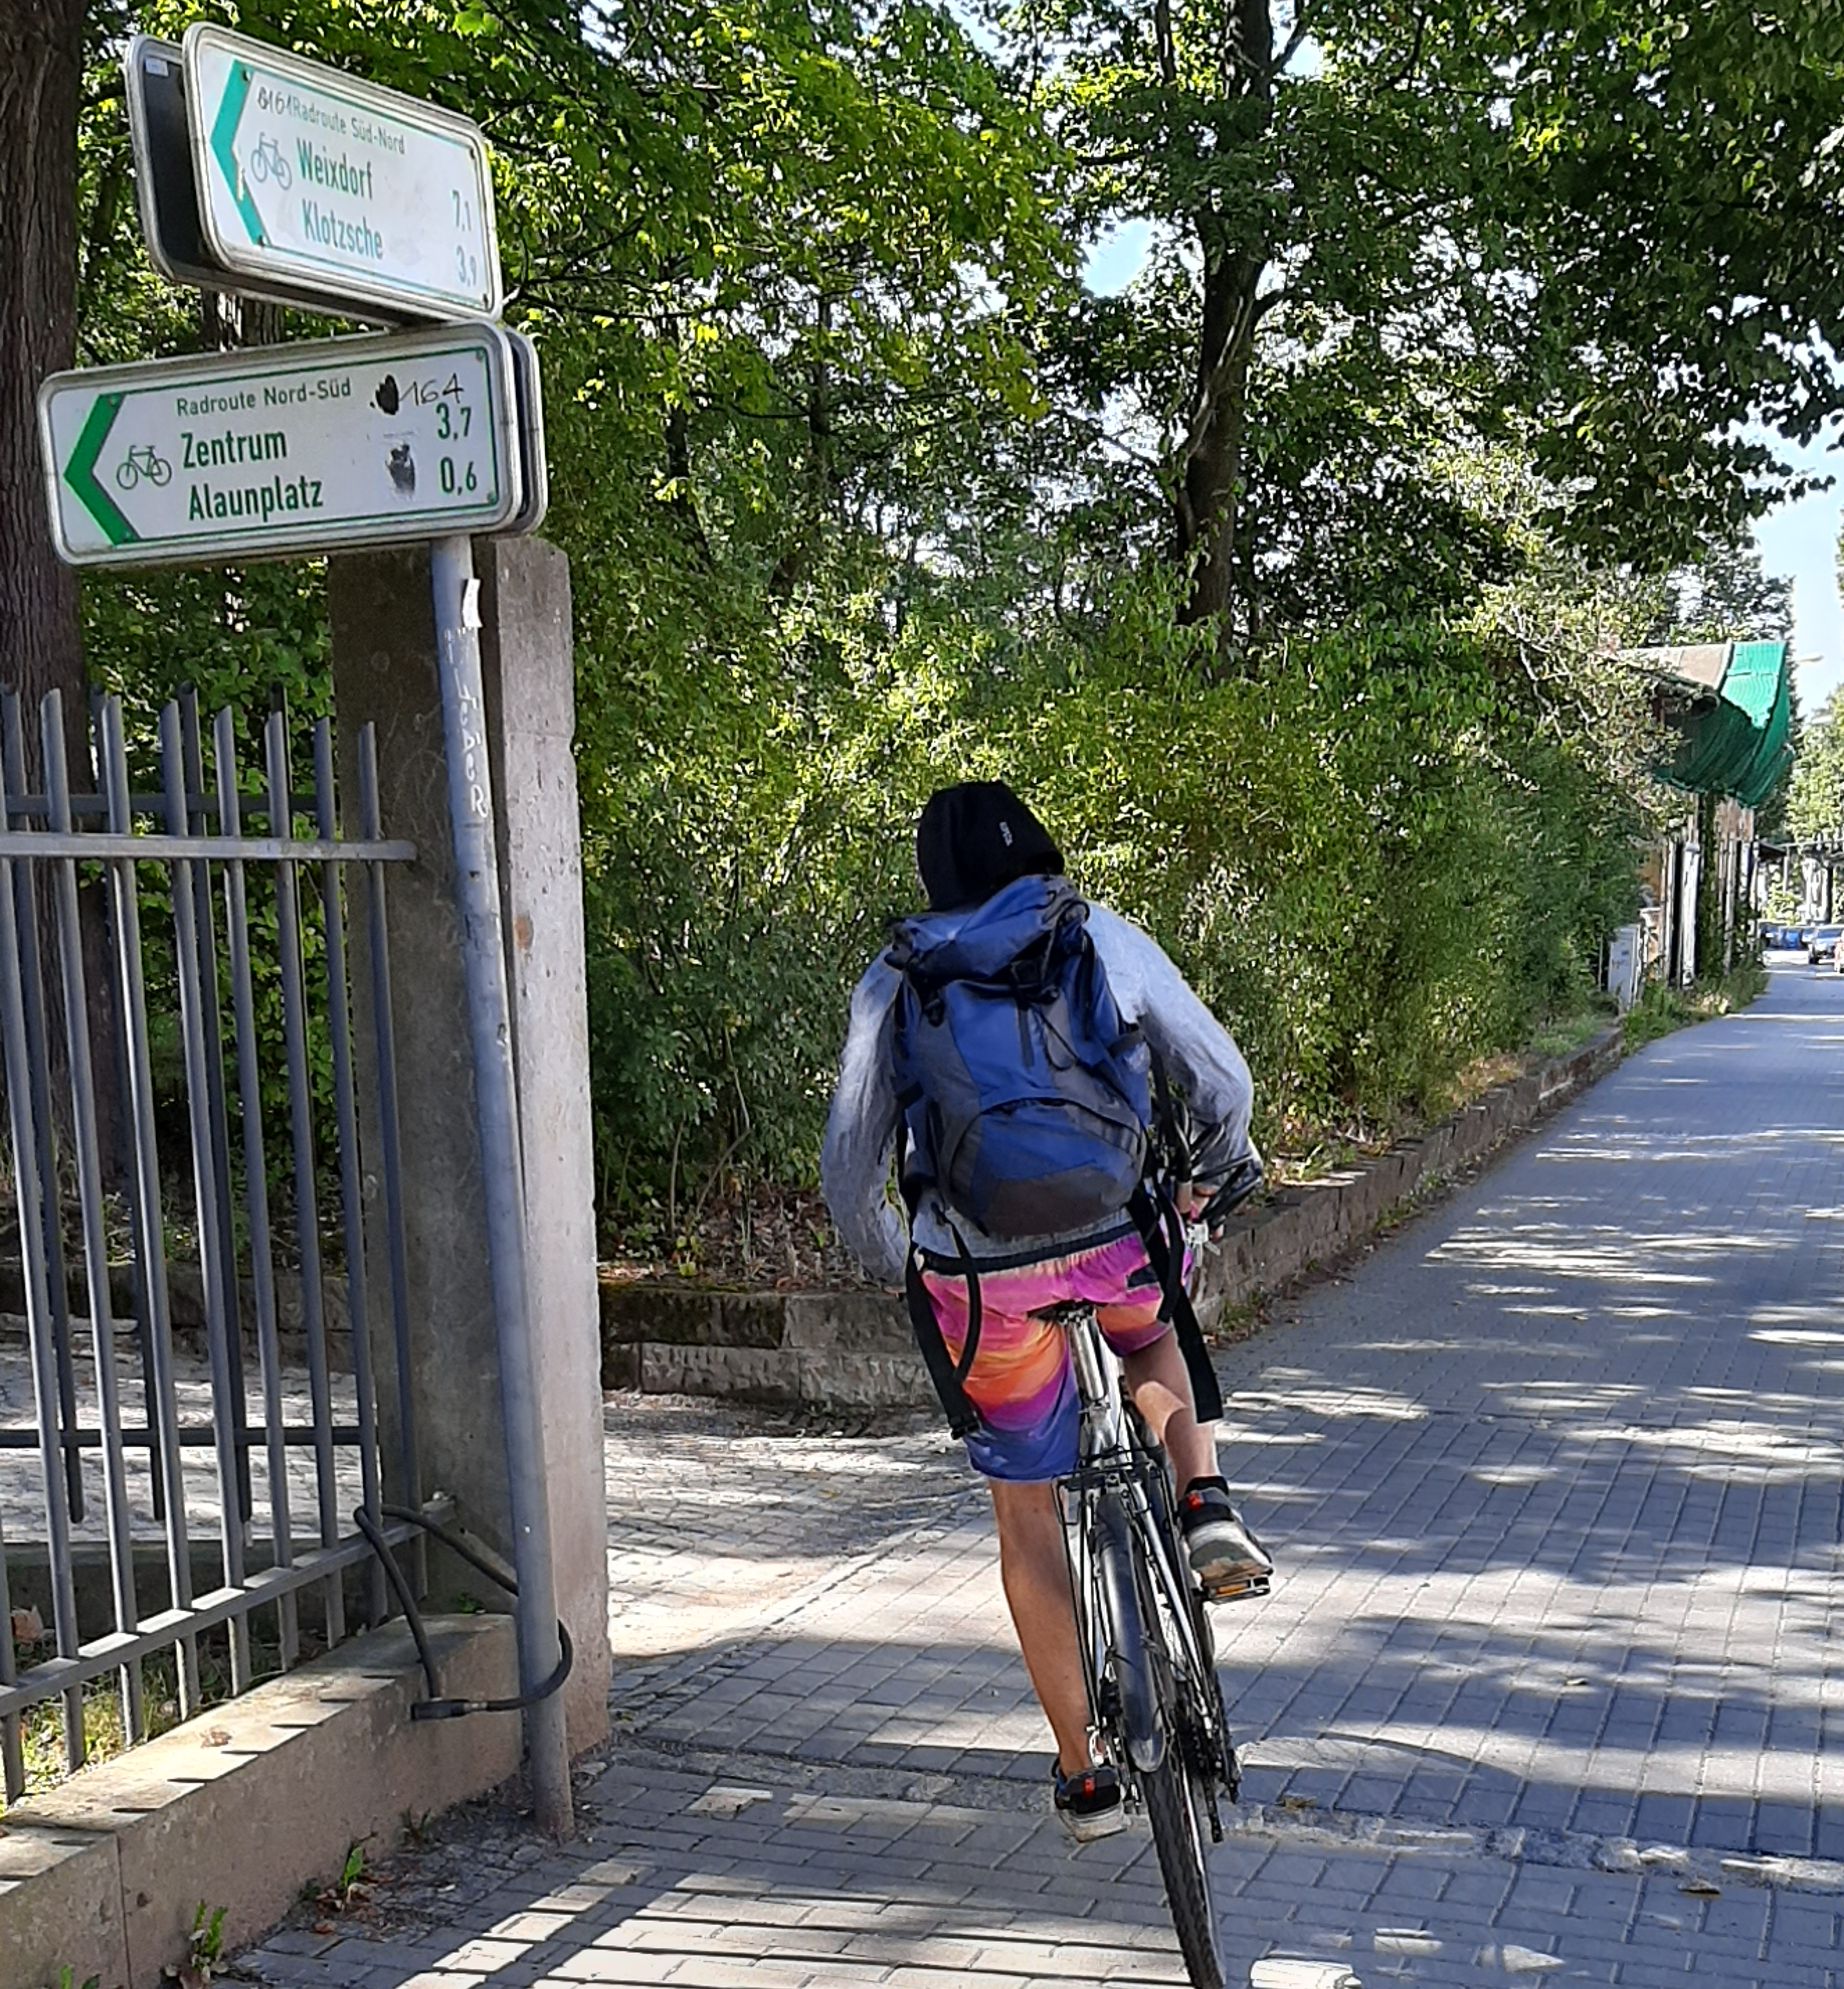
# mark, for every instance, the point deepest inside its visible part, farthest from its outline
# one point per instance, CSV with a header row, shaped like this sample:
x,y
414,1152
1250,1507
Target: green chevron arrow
x,y
223,133
80,471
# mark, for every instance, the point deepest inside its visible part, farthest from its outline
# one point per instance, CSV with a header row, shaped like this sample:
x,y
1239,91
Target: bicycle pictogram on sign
x,y
144,461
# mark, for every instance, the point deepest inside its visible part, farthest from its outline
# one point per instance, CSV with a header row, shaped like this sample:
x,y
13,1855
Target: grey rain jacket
x,y
1199,1055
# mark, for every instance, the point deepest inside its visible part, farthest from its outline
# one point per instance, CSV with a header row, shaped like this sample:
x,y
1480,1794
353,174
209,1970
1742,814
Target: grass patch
x,y
1660,1010
1563,1035
105,1733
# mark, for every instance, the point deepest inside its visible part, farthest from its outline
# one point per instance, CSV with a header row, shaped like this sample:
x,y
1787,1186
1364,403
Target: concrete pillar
x,y
384,672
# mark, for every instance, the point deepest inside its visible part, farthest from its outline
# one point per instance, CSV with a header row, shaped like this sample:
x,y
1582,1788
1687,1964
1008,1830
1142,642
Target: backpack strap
x,y
946,1375
1168,1121
1162,1231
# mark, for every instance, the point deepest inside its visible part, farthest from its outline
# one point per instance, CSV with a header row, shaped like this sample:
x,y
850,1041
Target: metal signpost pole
x,y
470,800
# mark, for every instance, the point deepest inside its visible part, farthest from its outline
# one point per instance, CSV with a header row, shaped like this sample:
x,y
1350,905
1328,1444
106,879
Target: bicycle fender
x,y
1142,1727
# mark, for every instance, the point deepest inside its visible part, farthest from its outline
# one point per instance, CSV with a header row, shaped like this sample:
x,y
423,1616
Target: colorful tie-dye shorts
x,y
1021,1380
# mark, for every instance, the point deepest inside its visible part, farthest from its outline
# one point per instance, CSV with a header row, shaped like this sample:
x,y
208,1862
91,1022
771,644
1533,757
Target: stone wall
x,y
853,1350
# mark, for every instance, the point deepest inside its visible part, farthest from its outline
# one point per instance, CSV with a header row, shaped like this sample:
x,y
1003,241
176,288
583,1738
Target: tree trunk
x,y
820,486
1208,484
1207,511
41,646
40,93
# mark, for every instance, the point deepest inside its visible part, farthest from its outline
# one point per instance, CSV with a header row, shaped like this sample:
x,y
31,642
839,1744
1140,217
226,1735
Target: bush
x,y
1364,854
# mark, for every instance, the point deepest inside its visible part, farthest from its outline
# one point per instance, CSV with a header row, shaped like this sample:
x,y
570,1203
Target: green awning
x,y
1731,706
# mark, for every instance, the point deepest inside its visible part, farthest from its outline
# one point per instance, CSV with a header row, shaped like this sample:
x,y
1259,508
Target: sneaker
x,y
1088,1802
1227,1559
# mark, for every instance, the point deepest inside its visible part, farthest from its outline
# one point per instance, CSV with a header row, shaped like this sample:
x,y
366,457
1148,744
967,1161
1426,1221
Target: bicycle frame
x,y
1118,1457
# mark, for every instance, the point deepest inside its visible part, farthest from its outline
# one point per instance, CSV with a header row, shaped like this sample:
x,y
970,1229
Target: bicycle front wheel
x,y
1174,1808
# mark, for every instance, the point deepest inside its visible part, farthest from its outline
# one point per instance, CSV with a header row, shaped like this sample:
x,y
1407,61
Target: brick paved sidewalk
x,y
1545,1694
705,1881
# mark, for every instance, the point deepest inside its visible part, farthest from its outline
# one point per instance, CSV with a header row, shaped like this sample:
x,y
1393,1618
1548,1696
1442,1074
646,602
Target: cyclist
x,y
974,842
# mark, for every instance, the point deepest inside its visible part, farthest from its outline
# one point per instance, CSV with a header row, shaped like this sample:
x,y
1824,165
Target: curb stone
x,y
852,1350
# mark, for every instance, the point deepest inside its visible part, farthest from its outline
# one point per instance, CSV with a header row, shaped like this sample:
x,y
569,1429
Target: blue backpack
x,y
1027,1101
1029,1106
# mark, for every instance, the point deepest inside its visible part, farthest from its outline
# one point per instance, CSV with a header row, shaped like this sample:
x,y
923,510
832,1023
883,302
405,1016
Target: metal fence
x,y
174,975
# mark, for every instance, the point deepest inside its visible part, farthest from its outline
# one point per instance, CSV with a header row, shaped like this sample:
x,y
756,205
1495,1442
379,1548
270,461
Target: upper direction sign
x,y
285,449
309,177
154,73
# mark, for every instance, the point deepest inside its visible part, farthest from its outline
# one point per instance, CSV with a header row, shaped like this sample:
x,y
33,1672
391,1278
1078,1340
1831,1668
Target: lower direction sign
x,y
285,450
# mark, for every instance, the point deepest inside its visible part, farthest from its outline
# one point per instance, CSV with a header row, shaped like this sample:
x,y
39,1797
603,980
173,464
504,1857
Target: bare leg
x,y
1036,1575
1161,1389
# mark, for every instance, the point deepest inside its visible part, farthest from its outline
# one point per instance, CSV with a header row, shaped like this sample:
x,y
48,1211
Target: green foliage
x,y
1815,806
207,1936
1727,595
1660,1010
204,1950
1586,230
1367,856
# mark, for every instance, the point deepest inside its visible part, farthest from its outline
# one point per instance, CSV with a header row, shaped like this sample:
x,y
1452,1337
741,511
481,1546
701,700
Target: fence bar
x,y
256,1184
31,1189
409,1489
33,808
191,1437
307,1198
38,1049
229,1411
167,848
91,1191
351,1173
150,1221
124,1128
218,1108
12,1747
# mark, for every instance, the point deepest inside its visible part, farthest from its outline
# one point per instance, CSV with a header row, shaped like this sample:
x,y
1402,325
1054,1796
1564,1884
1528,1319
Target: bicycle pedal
x,y
1242,1591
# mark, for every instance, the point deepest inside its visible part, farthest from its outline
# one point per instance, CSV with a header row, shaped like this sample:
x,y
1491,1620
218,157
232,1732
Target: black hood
x,y
976,838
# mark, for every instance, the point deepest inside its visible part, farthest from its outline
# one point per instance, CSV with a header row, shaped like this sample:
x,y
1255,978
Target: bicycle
x,y
143,461
1156,1707
267,163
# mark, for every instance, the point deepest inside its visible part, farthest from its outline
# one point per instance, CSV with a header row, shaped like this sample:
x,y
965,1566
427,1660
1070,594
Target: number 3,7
x,y
452,422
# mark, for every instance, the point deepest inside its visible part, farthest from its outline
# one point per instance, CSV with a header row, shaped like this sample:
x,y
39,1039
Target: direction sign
x,y
153,72
284,450
534,460
309,177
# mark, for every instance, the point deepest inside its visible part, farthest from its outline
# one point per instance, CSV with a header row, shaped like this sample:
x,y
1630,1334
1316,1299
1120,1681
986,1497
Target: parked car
x,y
1822,943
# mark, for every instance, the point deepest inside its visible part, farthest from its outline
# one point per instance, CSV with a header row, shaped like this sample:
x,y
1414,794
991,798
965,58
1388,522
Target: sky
x,y
1800,540
1797,540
